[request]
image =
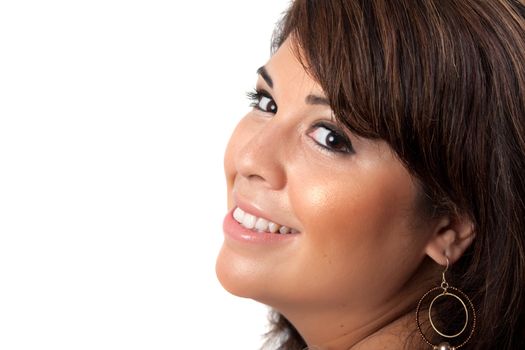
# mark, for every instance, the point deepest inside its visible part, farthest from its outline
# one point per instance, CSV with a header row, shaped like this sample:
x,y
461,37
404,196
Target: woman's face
x,y
348,201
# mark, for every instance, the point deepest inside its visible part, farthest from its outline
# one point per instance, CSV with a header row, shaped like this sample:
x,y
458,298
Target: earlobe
x,y
451,238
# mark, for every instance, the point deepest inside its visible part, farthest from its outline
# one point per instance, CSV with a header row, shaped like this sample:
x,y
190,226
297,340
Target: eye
x,y
262,101
328,137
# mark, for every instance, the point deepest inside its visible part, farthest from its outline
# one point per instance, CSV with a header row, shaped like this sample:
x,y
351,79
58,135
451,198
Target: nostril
x,y
255,177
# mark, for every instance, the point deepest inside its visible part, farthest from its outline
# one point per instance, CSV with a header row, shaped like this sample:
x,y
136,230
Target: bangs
x,y
340,46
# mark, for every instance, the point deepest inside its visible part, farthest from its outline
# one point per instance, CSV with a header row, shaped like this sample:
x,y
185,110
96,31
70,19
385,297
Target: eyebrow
x,y
317,100
264,74
310,99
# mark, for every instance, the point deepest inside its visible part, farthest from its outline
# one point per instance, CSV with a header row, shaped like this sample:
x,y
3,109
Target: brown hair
x,y
443,82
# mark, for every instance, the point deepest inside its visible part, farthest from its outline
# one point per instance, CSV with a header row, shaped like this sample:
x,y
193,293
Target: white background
x,y
114,116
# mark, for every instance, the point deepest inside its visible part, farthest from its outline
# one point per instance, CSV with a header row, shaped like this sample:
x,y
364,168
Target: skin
x,y
363,257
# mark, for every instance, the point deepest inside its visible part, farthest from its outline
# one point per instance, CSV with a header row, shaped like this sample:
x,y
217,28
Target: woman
x,y
375,190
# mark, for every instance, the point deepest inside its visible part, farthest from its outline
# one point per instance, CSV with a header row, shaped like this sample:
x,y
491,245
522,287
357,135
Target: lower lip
x,y
234,230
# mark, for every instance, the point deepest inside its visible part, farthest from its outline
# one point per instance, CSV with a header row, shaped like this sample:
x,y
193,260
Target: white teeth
x,y
248,221
262,225
273,227
284,230
238,214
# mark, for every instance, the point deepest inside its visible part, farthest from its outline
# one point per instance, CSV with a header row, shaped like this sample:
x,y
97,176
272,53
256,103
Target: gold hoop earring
x,y
447,292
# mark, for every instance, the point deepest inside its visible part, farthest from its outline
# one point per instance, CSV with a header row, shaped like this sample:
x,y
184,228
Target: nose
x,y
261,158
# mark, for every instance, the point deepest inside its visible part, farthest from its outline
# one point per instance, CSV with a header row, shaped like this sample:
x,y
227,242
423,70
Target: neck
x,y
355,330
390,326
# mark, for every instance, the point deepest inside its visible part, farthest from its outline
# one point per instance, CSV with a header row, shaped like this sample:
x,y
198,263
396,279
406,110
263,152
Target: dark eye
x,y
262,101
333,140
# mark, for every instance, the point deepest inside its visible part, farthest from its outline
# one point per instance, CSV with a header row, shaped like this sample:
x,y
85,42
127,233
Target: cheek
x,y
373,200
355,231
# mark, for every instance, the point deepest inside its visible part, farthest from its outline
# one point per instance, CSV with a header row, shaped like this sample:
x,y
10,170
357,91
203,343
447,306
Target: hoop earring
x,y
458,295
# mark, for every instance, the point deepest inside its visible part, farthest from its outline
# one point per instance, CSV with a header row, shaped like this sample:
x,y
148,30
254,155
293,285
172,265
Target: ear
x,y
452,236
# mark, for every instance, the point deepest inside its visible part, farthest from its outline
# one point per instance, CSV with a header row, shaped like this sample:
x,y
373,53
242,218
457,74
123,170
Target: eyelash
x,y
255,97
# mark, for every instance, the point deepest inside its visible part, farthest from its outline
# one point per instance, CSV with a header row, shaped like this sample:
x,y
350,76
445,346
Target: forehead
x,y
287,72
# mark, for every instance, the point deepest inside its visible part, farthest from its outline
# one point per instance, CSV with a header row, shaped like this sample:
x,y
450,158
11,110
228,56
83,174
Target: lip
x,y
249,208
233,230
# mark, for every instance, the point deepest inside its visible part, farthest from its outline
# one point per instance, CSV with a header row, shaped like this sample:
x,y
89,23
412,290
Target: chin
x,y
235,276
246,278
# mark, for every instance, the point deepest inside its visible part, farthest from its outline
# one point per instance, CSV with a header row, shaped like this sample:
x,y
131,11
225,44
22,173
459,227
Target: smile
x,y
261,225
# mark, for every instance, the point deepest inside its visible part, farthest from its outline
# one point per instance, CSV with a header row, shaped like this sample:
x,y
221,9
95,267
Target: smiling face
x,y
350,203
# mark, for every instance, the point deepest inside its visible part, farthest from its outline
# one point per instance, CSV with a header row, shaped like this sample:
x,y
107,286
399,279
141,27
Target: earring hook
x,y
444,283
